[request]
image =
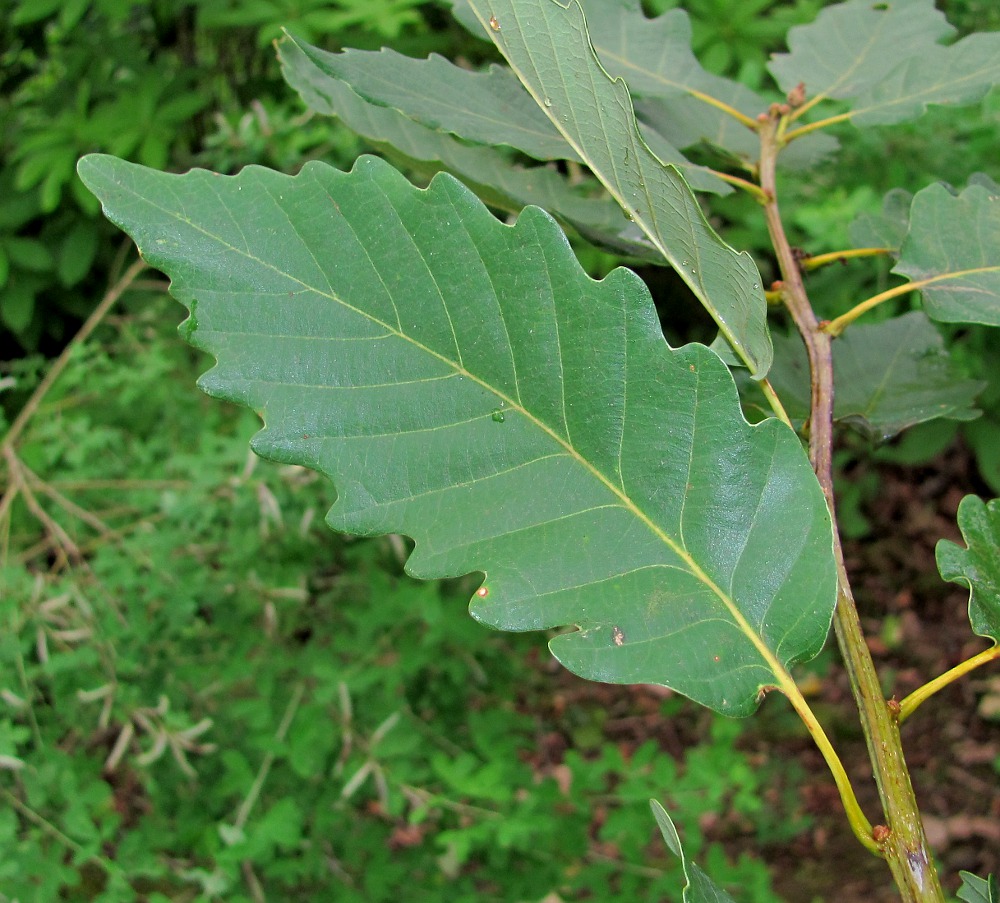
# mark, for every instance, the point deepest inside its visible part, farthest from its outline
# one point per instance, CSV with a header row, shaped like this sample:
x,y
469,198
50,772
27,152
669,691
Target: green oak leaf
x,y
491,175
698,887
886,60
959,74
490,107
653,55
978,565
952,252
850,47
889,376
548,46
888,227
979,890
655,59
465,383
678,96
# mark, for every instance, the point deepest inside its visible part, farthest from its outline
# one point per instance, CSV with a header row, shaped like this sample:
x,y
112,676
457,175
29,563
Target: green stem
x,y
837,326
815,126
912,702
775,402
742,118
855,816
744,184
901,840
816,261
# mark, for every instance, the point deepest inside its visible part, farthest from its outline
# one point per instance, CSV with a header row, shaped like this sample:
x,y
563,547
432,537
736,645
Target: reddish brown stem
x,y
901,839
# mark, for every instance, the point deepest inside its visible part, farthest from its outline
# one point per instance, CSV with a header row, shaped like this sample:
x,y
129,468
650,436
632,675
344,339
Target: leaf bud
x,y
797,96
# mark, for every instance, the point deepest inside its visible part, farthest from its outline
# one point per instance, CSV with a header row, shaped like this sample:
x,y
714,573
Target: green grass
x,y
207,695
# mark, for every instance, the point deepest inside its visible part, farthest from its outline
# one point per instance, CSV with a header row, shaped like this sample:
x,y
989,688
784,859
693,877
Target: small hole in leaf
x,y
881,7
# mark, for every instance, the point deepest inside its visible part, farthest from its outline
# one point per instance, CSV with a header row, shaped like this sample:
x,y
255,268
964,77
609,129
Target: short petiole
x,y
912,702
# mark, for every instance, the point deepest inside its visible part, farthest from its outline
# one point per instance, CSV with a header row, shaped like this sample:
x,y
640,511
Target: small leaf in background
x,y
309,743
548,46
890,376
852,46
77,252
978,565
979,890
17,303
29,254
699,888
280,827
954,241
887,59
444,368
983,436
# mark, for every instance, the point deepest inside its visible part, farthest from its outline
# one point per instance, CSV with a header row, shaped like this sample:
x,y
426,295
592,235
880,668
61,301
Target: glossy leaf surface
x,y
886,59
889,376
465,383
978,565
548,46
953,245
699,888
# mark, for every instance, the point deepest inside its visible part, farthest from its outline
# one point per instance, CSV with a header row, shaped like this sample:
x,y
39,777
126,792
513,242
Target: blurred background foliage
x,y
204,694
166,83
